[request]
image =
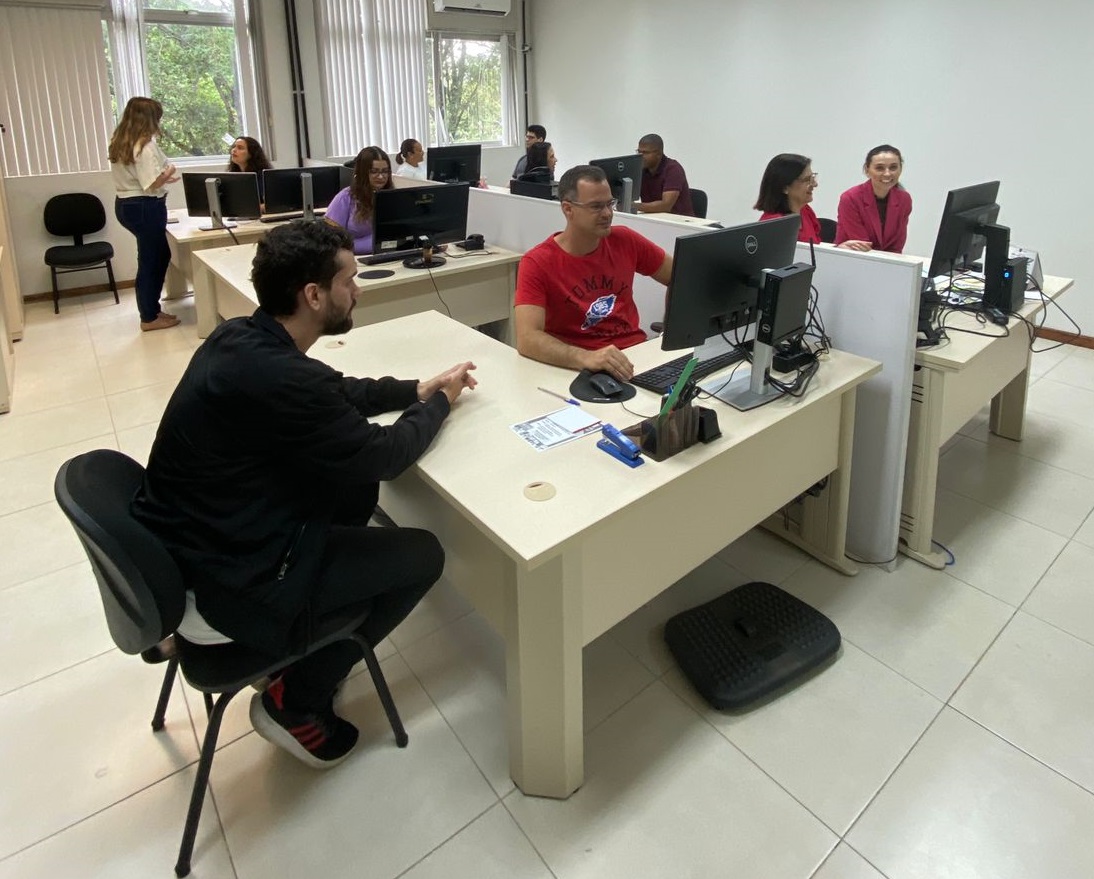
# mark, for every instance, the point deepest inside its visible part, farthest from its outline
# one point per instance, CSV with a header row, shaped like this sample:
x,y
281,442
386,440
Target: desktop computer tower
x,y
1005,285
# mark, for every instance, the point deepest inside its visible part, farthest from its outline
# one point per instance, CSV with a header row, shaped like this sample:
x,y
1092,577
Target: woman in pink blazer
x,y
874,214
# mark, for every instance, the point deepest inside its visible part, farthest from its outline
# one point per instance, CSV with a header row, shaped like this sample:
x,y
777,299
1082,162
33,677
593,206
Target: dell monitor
x,y
401,217
454,164
288,189
968,222
220,195
624,177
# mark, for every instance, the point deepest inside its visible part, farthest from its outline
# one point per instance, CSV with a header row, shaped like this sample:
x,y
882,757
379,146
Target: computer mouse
x,y
604,384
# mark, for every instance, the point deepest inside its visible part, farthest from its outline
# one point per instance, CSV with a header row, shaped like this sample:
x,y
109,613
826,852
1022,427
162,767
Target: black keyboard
x,y
660,378
291,215
394,256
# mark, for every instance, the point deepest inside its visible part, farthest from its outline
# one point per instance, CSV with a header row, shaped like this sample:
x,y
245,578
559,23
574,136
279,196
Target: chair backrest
x,y
74,214
828,229
699,202
141,587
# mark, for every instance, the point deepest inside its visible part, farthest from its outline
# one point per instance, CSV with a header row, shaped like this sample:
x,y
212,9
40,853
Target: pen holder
x,y
661,438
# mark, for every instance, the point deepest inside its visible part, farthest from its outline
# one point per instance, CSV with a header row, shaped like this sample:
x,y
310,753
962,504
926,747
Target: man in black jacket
x,y
264,474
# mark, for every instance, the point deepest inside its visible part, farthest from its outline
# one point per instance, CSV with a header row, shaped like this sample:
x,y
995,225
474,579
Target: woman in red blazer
x,y
875,213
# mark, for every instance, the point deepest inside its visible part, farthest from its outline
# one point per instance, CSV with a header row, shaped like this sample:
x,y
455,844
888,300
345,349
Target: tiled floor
x,y
952,739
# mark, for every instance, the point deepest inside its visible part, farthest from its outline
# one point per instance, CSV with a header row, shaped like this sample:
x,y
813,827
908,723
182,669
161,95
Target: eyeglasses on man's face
x,y
596,206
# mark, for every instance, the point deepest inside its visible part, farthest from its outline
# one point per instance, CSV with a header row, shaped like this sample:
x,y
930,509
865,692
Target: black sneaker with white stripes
x,y
319,740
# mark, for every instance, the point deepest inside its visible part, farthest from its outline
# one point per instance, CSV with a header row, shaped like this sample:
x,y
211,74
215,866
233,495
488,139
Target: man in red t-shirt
x,y
575,291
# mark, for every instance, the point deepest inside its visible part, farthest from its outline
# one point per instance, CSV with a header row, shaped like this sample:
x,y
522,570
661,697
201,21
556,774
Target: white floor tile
x,y
28,481
966,804
51,623
25,434
1065,595
383,808
1085,534
441,605
846,863
1046,438
136,839
126,372
1045,359
36,541
923,624
491,847
1032,688
612,677
79,741
136,442
760,555
832,741
141,405
1075,368
997,553
46,381
665,795
1027,489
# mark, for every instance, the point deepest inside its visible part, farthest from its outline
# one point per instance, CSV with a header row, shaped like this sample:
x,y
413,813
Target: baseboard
x,y
1050,335
47,296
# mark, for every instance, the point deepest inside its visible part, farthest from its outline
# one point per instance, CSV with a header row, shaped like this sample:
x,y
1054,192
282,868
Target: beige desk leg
x,y
543,627
508,332
177,283
205,300
1008,407
921,469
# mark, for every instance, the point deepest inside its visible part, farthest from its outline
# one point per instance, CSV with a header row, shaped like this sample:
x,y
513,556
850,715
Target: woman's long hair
x,y
256,157
361,188
139,124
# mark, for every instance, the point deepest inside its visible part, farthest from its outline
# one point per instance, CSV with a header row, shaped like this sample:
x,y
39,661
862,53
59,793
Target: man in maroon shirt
x,y
664,183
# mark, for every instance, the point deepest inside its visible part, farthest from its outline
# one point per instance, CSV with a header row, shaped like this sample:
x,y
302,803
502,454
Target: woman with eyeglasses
x,y
874,215
352,207
787,188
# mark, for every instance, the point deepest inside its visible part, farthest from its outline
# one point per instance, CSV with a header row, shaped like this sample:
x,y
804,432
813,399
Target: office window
x,y
194,57
471,89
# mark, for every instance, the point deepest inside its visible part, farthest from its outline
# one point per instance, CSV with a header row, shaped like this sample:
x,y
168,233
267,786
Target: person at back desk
x,y
541,164
575,292
875,214
534,134
352,207
664,184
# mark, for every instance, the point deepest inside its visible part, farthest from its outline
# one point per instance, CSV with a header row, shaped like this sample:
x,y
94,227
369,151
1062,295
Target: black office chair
x,y
144,598
699,203
76,214
828,230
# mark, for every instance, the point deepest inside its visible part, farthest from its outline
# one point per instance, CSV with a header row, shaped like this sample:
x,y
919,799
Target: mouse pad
x,y
580,389
375,274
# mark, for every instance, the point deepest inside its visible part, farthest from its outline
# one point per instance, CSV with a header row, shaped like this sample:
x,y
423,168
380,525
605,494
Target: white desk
x,y
474,288
185,238
553,575
951,384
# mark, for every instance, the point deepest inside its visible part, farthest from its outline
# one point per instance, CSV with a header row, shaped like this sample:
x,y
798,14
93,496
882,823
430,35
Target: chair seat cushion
x,y
72,255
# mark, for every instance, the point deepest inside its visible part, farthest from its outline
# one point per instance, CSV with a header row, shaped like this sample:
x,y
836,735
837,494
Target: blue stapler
x,y
620,447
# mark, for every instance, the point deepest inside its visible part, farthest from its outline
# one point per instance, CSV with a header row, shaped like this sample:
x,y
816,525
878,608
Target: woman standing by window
x,y
141,171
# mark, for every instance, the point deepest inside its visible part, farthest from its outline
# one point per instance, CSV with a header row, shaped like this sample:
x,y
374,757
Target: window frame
x,y
508,72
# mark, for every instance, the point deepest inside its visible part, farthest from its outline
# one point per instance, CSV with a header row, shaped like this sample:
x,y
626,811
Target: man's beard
x,y
337,324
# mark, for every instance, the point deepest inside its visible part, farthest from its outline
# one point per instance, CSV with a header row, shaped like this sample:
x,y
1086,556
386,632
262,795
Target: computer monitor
x,y
534,190
624,177
287,189
402,216
968,223
225,194
461,163
717,276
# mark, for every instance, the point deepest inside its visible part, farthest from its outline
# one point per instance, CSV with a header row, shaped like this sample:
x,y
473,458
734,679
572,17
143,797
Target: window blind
x,y
54,97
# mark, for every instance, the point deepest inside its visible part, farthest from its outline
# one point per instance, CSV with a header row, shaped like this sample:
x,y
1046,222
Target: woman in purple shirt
x,y
352,207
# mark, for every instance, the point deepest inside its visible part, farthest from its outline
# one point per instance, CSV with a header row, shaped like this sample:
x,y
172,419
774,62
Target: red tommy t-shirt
x,y
589,300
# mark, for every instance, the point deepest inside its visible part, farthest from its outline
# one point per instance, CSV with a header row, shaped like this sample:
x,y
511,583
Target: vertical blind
x,y
54,97
373,73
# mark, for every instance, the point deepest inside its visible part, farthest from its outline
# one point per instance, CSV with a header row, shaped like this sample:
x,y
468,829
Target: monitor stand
x,y
307,199
426,261
216,216
748,393
626,204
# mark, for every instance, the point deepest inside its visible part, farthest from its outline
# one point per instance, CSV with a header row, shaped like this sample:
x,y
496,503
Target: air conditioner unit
x,y
476,7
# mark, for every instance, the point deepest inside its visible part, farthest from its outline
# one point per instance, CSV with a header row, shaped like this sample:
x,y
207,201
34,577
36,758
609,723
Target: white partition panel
x,y
870,305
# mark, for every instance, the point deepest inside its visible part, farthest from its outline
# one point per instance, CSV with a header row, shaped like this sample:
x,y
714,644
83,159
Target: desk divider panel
x,y
870,306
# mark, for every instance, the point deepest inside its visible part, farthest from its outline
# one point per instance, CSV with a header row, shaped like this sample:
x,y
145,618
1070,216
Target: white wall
x,y
969,91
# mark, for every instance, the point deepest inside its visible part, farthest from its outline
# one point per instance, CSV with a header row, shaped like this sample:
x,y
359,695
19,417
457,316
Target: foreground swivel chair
x,y
144,599
74,215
